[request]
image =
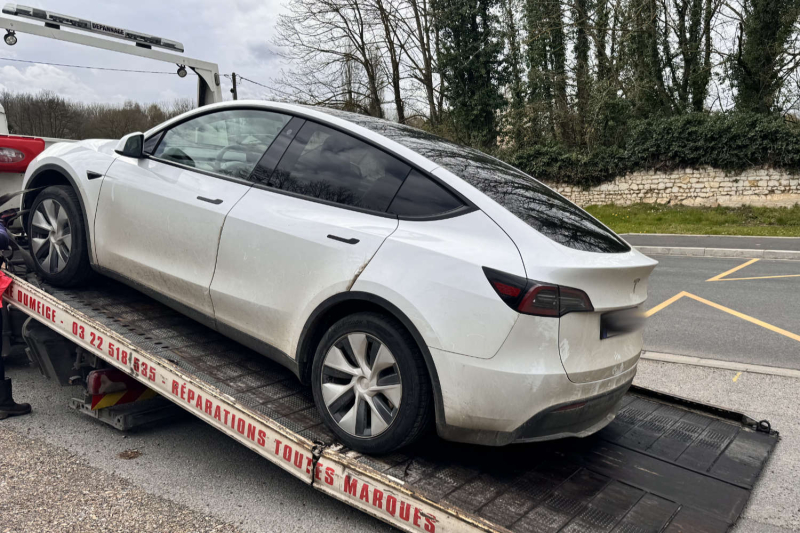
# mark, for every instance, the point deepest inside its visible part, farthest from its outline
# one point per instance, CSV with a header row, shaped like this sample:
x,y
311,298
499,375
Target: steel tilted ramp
x,y
664,464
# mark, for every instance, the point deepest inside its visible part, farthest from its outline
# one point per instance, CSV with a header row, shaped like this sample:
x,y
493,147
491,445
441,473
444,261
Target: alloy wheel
x,y
361,385
51,236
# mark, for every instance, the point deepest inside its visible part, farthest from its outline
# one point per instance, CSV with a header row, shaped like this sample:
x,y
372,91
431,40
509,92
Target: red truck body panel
x,y
29,146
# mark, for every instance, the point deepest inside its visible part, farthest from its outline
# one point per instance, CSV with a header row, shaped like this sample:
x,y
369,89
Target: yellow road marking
x,y
762,277
731,271
662,305
736,377
743,316
750,319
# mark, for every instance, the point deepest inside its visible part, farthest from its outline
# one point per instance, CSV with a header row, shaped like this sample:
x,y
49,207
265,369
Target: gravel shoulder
x,y
185,461
45,488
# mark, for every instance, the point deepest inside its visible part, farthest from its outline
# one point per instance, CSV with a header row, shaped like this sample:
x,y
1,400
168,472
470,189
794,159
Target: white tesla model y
x,y
405,278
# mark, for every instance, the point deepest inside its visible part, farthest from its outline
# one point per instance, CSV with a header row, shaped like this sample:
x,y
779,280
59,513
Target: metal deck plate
x,y
657,467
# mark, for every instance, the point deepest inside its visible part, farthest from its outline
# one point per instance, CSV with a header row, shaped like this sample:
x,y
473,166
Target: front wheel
x,y
57,234
371,385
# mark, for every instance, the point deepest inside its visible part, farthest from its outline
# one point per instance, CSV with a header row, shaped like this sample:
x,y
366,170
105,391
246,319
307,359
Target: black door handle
x,y
209,200
93,175
342,239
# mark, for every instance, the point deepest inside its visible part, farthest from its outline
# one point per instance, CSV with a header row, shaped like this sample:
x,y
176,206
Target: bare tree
x,y
335,47
46,114
415,28
387,13
687,47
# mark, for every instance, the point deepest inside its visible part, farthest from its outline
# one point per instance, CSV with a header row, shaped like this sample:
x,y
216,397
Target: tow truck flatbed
x,y
664,464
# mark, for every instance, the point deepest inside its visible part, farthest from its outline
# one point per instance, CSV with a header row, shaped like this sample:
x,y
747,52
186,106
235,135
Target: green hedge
x,y
729,141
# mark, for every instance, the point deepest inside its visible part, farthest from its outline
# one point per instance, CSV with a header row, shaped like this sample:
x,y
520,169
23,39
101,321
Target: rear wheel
x,y
371,385
58,237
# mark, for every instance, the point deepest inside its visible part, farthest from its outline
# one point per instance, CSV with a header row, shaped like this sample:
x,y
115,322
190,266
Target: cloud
x,y
168,95
36,78
235,34
240,32
263,51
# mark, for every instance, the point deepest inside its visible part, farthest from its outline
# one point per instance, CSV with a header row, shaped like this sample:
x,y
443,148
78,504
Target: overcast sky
x,y
235,34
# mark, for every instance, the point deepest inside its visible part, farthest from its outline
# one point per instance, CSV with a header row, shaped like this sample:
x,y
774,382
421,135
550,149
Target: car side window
x,y
330,165
420,196
151,143
226,142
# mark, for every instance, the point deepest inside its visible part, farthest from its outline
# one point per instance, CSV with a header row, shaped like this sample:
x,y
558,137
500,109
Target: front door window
x,y
229,143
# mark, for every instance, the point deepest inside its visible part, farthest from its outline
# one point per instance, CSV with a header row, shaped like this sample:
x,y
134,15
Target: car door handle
x,y
342,239
93,175
209,200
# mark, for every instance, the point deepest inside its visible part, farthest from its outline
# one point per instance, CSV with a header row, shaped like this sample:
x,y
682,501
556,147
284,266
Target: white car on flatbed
x,y
406,278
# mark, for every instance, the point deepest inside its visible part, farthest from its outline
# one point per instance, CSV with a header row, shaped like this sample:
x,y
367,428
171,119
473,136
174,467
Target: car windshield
x,y
539,206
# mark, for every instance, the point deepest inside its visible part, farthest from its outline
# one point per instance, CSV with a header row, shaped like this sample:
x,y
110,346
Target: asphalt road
x,y
714,241
692,327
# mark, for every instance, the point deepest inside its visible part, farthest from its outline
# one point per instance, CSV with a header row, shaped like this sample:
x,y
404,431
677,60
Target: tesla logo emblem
x,y
635,283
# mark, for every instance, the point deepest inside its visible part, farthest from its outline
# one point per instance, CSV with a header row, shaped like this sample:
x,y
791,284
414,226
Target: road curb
x,y
720,252
721,365
707,235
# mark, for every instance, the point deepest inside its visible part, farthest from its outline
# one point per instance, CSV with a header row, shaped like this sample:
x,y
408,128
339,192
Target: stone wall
x,y
700,187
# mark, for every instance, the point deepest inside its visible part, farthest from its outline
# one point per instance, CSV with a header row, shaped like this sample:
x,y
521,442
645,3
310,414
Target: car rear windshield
x,y
543,209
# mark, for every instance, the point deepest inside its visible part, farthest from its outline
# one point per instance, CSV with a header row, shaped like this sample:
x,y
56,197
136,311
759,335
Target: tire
x,y
59,250
356,406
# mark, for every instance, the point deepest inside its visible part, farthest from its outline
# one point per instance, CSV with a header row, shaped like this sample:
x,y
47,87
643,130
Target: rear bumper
x,y
523,393
556,422
579,419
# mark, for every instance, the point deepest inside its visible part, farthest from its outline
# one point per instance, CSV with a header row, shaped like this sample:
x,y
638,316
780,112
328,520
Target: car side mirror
x,y
131,145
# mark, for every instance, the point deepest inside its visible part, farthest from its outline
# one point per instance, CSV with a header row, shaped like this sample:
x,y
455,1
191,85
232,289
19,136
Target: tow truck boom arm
x,y
208,84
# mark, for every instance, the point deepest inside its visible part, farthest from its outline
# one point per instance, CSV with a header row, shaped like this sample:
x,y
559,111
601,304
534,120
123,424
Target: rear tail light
x,y
11,156
17,152
536,298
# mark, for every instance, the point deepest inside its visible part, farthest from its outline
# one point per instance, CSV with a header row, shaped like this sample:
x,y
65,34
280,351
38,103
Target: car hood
x,y
104,146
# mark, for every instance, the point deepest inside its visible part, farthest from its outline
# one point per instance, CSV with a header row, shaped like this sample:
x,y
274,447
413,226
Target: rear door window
x,y
421,197
539,206
329,165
